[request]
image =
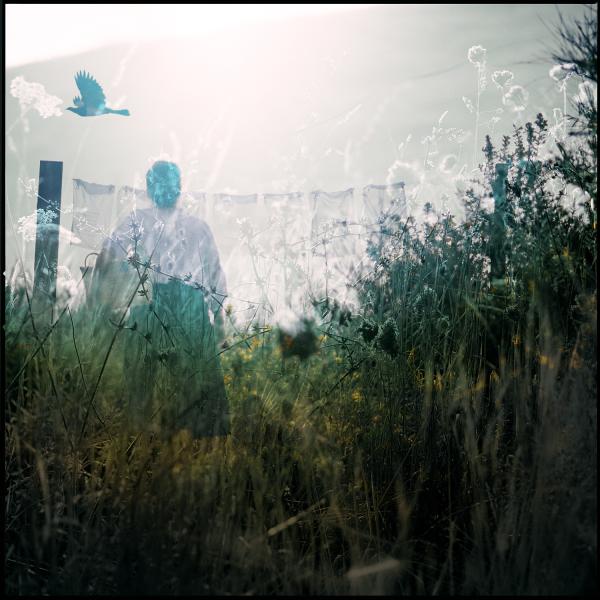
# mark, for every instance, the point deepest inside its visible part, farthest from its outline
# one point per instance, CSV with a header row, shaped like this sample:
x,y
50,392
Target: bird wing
x,y
90,90
77,101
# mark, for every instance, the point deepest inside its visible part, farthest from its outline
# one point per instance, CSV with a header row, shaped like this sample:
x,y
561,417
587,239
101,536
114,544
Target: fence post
x,y
47,231
497,252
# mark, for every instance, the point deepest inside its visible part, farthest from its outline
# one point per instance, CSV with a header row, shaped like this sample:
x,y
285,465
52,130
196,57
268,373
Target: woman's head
x,y
163,183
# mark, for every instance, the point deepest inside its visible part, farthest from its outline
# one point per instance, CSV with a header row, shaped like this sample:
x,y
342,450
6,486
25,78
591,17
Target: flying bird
x,y
92,101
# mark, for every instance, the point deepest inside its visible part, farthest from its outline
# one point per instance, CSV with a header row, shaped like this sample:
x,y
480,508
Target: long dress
x,y
172,372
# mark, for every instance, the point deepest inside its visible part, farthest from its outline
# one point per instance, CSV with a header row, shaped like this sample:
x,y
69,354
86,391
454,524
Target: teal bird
x,y
92,101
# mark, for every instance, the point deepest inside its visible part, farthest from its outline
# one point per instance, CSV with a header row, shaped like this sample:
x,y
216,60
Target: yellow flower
x,y
480,385
227,379
516,340
357,395
546,361
438,382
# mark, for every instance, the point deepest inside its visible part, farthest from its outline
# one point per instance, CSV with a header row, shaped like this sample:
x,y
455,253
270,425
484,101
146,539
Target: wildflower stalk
x,y
564,90
119,326
477,115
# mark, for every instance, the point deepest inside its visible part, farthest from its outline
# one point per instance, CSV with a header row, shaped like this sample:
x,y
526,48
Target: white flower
x,y
502,78
587,93
41,222
516,98
476,55
448,163
27,226
487,204
29,186
563,72
468,104
408,172
34,95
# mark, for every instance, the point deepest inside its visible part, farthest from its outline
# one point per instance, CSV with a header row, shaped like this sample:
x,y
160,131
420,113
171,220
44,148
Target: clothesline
x,y
97,208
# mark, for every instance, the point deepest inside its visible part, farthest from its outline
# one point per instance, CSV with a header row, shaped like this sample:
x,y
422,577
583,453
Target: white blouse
x,y
169,243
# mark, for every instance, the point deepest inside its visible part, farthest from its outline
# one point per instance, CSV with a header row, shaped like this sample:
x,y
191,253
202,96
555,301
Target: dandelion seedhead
x,y
476,55
516,98
401,170
587,94
502,78
563,72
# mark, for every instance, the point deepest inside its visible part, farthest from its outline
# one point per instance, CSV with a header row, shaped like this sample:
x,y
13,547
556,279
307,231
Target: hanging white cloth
x,y
383,201
336,245
95,212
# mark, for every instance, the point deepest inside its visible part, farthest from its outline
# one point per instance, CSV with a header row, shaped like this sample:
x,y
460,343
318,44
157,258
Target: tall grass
x,y
439,439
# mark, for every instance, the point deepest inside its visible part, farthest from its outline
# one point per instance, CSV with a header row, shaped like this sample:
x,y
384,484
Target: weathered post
x,y
497,251
494,336
47,232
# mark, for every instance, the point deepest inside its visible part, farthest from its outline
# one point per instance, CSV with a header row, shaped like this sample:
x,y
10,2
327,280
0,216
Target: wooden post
x,y
497,251
494,335
47,231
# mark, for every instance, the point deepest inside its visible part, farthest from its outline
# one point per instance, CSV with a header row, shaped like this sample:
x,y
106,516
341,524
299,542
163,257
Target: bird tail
x,y
123,112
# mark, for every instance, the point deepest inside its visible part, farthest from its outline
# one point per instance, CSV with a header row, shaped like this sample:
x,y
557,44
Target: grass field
x,y
437,438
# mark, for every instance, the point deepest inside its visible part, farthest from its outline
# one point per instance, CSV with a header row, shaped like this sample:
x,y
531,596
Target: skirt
x,y
172,372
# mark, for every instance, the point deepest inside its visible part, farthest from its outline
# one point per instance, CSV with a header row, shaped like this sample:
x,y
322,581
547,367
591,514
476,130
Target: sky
x,y
50,30
274,99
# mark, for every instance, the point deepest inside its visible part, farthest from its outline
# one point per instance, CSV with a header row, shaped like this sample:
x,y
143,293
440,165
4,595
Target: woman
x,y
160,278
